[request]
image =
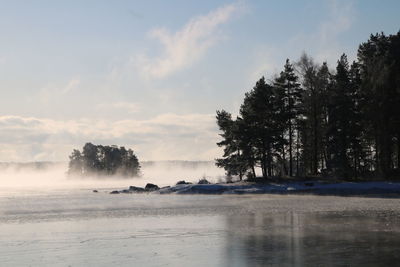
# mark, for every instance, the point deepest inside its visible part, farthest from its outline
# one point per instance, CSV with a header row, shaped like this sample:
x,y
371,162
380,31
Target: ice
x,y
81,228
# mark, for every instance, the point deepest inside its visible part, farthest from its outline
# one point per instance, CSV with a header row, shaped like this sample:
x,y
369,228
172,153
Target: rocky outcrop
x,y
135,189
182,182
151,187
203,181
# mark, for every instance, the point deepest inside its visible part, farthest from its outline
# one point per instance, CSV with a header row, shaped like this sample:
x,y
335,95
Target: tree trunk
x,y
297,153
398,152
269,159
290,149
253,170
355,166
284,156
315,158
384,150
263,164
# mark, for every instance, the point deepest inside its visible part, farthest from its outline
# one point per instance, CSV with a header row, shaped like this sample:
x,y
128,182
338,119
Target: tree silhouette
x,y
103,160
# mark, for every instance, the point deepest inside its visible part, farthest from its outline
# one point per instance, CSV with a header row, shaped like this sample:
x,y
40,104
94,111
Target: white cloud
x,y
124,106
72,84
339,21
186,46
166,136
52,90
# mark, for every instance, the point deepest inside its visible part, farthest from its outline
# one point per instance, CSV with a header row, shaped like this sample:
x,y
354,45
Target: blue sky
x,y
151,74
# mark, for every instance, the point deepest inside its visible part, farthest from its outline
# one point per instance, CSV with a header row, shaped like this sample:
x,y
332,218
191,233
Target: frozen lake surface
x,y
75,227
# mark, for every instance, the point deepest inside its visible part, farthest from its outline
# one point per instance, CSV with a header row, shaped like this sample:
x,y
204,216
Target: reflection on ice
x,y
316,239
80,228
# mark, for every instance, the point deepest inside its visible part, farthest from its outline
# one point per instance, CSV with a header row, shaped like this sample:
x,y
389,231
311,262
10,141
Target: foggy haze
x,y
45,175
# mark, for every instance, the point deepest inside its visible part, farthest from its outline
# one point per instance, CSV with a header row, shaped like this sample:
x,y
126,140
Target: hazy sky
x,y
151,74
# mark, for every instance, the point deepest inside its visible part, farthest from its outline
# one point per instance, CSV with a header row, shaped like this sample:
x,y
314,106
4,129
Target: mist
x,y
47,175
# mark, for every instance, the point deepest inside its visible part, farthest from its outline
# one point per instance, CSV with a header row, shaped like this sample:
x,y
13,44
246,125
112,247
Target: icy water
x,y
76,227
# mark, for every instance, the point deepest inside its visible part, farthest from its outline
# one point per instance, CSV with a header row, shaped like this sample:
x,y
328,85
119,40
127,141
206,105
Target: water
x,y
75,227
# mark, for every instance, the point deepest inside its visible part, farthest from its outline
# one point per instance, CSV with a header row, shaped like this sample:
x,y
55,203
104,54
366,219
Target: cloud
x,y
340,20
72,84
51,90
166,136
124,106
188,45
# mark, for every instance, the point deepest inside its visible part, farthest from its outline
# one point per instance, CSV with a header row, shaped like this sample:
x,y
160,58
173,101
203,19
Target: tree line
x,y
313,121
103,160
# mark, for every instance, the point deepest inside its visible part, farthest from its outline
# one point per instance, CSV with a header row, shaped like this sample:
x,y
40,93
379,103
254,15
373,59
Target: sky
x,y
150,75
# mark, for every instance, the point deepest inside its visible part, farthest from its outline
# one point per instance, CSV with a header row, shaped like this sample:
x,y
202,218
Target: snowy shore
x,y
381,188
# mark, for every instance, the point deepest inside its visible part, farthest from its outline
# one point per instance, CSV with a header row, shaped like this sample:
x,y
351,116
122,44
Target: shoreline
x,y
381,189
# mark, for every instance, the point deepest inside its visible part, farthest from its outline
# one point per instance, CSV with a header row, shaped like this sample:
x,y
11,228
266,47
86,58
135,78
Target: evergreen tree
x,y
339,112
356,121
312,123
288,84
233,160
379,60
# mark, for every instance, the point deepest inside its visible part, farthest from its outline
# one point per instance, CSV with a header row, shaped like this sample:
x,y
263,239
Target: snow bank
x,y
347,188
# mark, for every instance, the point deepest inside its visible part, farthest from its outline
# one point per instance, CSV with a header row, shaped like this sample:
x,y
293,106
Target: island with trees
x,y
313,121
99,160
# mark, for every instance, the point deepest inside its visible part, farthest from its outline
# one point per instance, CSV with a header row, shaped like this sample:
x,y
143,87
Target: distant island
x,y
99,160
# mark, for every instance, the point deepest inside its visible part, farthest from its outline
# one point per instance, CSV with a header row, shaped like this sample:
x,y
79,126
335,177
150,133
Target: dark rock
x,y
136,189
114,192
95,191
182,182
203,181
126,191
151,187
165,187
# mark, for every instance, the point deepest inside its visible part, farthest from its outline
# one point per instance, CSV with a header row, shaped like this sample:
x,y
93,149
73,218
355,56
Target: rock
x,y
126,191
114,192
182,182
136,189
165,187
203,181
95,191
151,187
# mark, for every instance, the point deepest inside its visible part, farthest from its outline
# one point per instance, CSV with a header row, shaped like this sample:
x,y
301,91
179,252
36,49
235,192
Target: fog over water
x,y
47,175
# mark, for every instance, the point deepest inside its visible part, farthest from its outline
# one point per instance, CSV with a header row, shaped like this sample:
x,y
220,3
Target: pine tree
x,y
258,112
288,83
233,161
339,112
379,60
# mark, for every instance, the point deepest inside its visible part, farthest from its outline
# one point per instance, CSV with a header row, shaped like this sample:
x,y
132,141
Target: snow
x,y
311,187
